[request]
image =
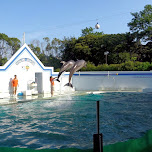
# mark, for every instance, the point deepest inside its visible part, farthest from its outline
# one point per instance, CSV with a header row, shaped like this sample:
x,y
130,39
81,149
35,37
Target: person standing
x,y
15,84
52,84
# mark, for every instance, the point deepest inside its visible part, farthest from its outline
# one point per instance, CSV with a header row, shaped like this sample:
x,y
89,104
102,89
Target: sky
x,y
65,18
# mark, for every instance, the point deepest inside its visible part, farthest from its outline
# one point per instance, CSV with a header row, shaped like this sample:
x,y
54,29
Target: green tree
x,y
68,52
15,44
92,47
36,49
141,24
3,44
55,47
87,31
2,60
90,31
47,50
123,57
8,46
54,62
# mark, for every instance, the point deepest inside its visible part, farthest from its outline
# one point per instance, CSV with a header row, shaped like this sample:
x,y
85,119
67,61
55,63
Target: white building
x,y
33,76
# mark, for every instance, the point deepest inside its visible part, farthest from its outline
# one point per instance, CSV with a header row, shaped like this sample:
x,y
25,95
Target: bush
x,y
57,70
127,66
89,67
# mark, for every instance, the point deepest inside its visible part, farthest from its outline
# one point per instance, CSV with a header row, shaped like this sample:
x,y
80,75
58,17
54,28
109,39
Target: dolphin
x,y
66,66
77,66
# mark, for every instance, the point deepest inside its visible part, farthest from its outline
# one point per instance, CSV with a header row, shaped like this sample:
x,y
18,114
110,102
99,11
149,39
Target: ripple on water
x,y
71,122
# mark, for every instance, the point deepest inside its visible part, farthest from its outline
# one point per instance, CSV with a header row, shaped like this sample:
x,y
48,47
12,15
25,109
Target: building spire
x,y
23,38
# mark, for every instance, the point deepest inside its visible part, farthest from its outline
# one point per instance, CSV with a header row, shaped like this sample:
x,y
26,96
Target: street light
x,y
106,54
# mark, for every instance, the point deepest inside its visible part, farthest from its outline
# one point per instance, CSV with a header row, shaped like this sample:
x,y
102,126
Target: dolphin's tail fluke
x,y
69,84
57,80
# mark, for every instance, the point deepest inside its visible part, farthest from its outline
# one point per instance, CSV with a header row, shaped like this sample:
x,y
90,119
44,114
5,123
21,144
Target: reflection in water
x,y
13,99
70,122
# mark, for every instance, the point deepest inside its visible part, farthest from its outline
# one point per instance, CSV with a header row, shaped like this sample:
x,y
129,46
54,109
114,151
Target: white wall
x,y
113,80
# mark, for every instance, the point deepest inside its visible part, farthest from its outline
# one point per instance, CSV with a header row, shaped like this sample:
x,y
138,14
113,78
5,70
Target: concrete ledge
x,y
1,95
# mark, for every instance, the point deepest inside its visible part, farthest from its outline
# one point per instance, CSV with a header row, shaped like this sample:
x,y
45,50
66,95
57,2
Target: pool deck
x,y
21,99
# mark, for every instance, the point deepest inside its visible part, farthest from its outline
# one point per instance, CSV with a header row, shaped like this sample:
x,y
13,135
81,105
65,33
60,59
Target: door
x,y
38,80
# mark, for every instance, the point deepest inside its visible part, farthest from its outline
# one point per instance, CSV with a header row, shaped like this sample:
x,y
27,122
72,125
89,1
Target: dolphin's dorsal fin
x,y
63,62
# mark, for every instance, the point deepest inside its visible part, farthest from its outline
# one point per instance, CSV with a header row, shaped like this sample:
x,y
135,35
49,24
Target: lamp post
x,y
106,54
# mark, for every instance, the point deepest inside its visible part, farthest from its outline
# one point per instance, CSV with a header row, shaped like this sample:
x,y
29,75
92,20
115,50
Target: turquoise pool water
x,y
70,121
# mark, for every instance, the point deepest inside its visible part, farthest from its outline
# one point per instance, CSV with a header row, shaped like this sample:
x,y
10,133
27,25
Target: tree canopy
x,y
8,46
141,24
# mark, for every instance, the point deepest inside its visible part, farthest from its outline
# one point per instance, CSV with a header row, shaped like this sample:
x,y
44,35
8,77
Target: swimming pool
x,y
70,121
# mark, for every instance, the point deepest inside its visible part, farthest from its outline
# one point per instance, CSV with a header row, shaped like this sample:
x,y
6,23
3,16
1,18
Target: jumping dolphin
x,y
77,66
66,66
